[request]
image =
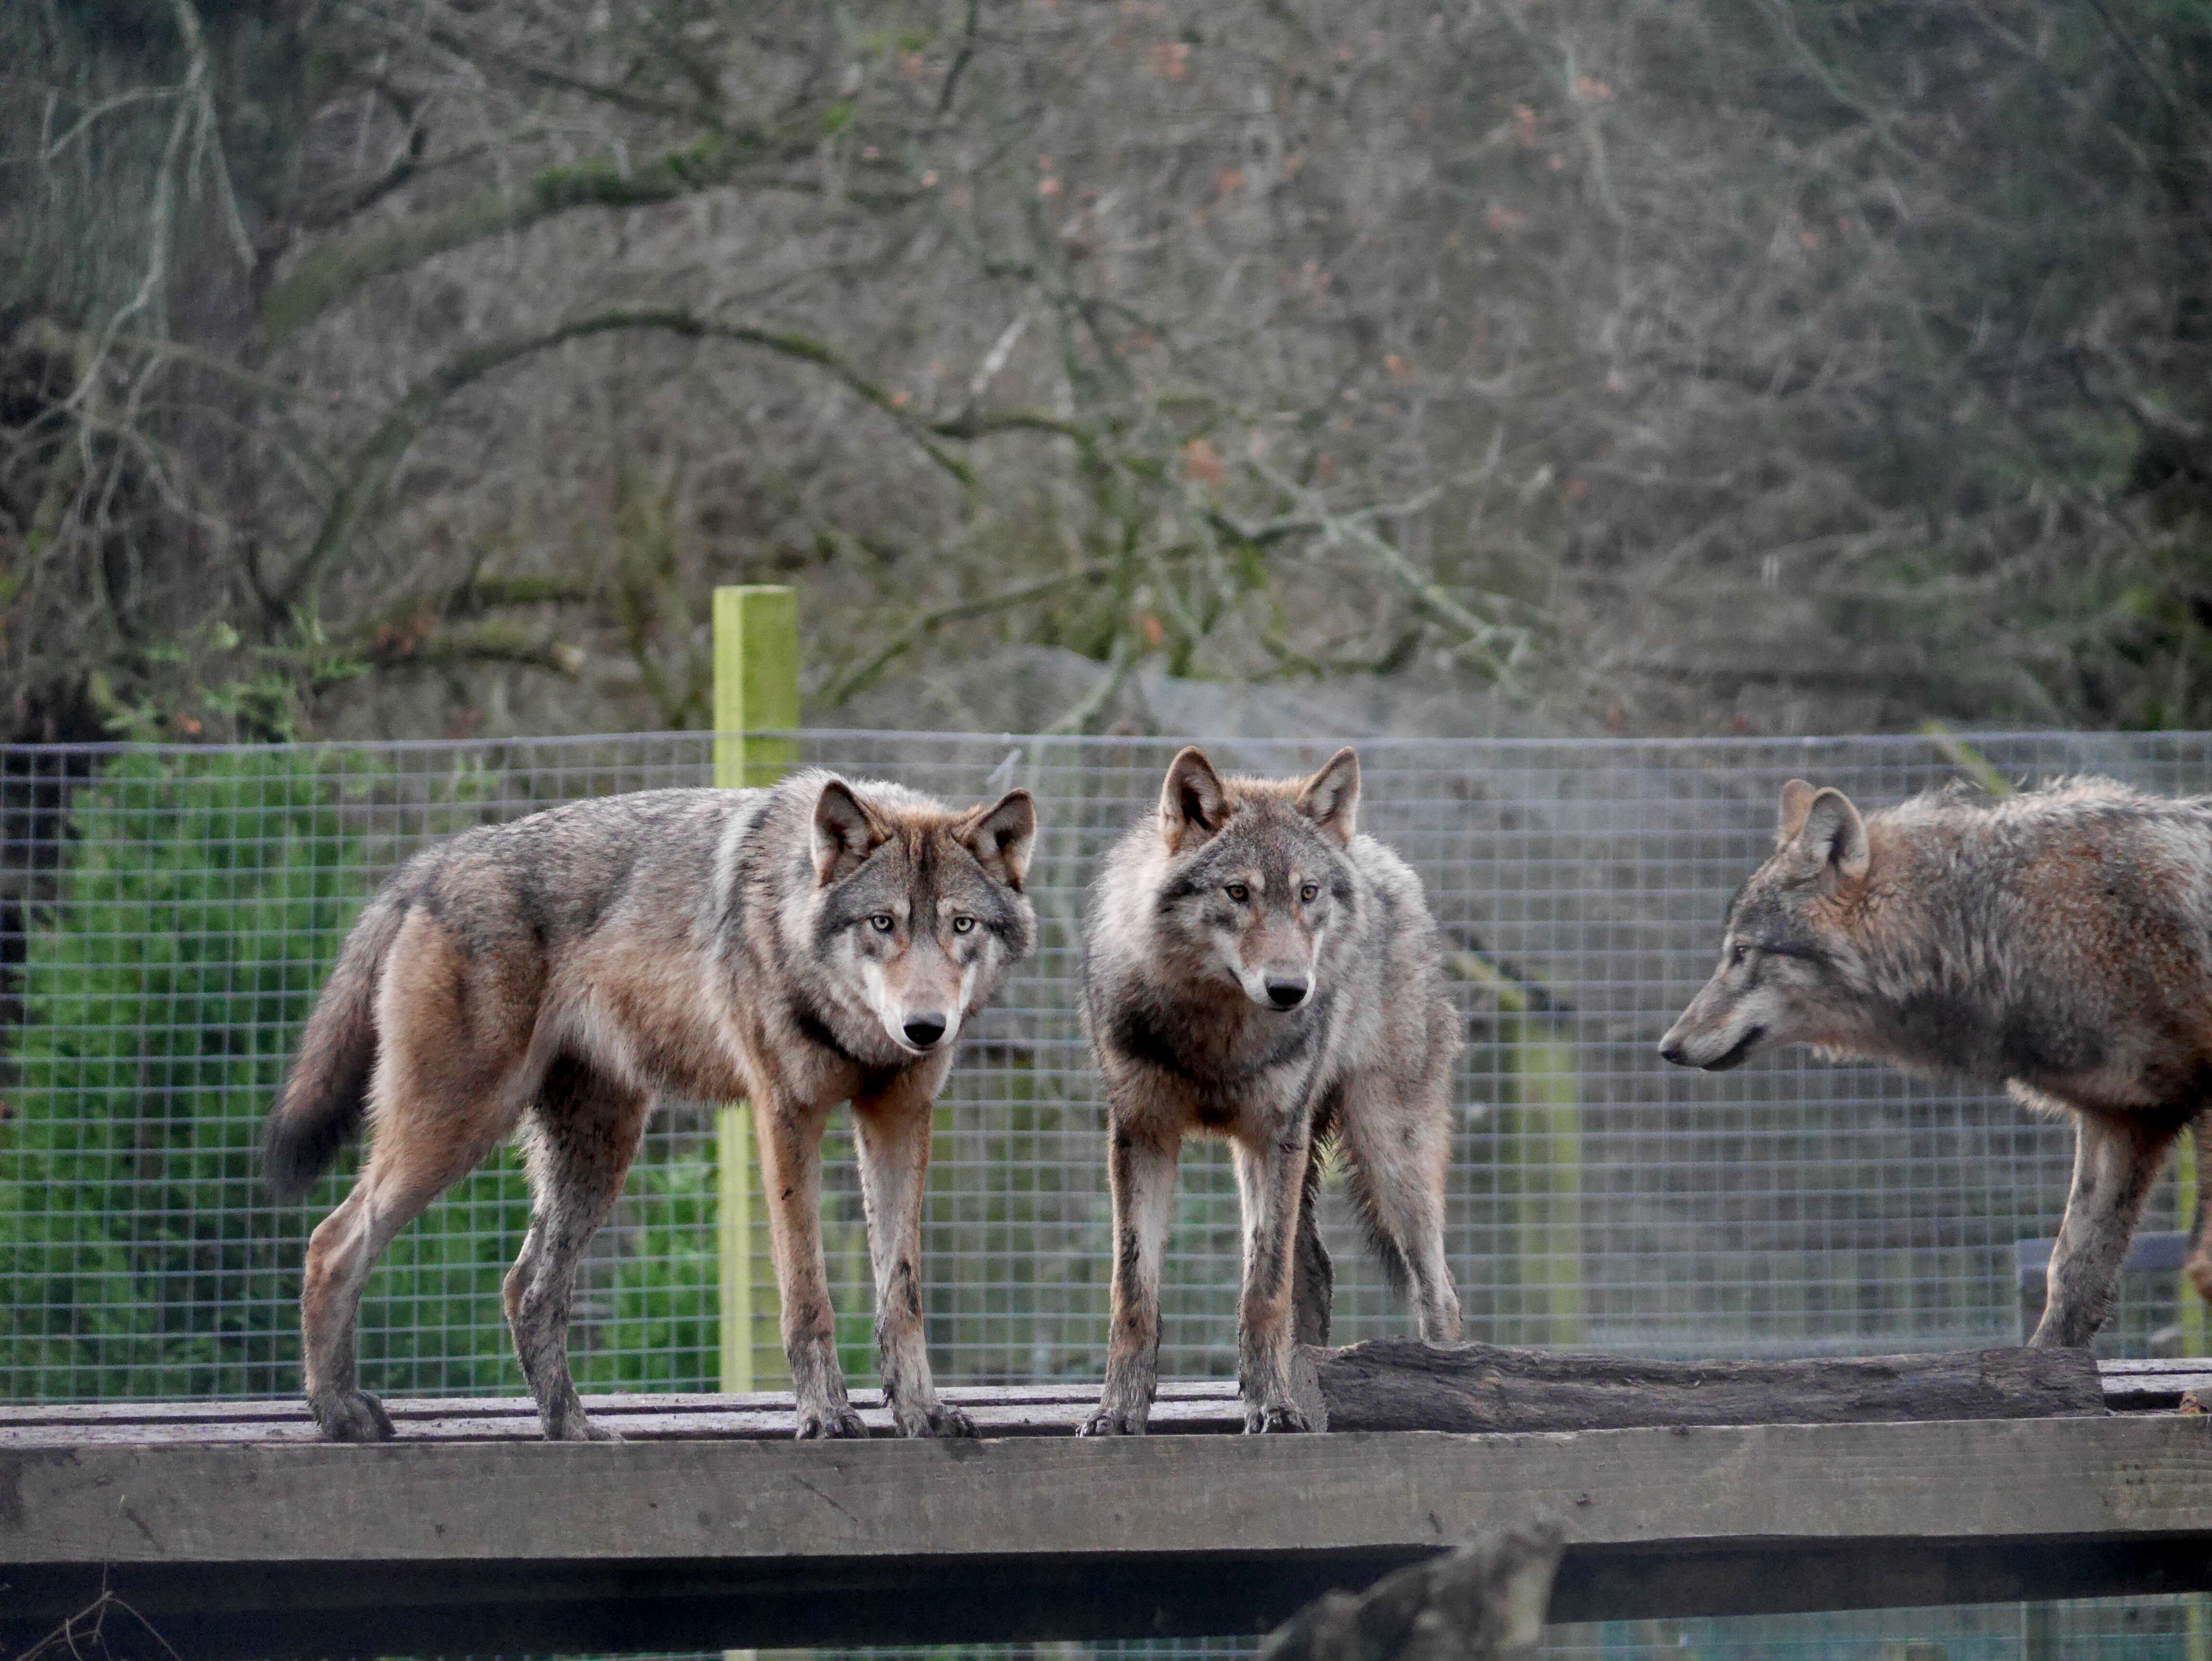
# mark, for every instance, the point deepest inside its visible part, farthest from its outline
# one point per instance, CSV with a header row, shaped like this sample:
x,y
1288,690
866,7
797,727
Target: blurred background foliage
x,y
417,365
196,911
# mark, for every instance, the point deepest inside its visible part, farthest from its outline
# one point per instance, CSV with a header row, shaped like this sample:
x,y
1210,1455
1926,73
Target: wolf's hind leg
x,y
893,1132
410,1165
1398,1150
789,1136
2116,1160
1141,1170
584,1133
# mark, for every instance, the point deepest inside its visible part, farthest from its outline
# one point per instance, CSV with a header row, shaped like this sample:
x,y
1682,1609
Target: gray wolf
x,y
1257,969
802,946
2058,941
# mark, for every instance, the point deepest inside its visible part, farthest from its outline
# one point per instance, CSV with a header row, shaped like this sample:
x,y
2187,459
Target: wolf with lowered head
x,y
817,942
1258,970
2058,941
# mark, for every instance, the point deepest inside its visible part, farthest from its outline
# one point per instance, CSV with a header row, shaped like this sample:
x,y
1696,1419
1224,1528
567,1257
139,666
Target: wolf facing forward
x,y
1256,970
2059,941
802,946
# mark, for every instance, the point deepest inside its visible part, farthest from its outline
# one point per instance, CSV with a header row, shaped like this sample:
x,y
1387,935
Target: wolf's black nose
x,y
923,1031
1286,991
1671,1051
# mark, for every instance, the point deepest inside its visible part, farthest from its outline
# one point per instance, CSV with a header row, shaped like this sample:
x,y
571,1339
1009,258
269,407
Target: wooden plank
x,y
1020,1409
898,1541
1393,1384
2144,1386
1386,1385
786,1499
1209,1417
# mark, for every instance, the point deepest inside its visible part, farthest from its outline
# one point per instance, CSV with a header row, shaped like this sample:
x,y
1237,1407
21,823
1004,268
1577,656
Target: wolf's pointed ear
x,y
1797,802
1193,804
1830,840
1331,797
1001,836
845,833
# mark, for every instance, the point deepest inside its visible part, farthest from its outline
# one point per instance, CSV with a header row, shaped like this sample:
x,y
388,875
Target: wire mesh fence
x,y
170,913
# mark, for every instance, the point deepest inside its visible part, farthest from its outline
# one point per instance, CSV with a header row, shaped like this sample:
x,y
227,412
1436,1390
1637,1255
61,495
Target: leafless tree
x,y
1750,363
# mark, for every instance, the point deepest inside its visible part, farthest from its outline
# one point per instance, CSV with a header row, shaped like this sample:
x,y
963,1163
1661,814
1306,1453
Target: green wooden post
x,y
755,691
1542,1155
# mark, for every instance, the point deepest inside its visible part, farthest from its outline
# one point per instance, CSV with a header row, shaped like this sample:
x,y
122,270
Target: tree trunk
x,y
1395,1383
1484,1600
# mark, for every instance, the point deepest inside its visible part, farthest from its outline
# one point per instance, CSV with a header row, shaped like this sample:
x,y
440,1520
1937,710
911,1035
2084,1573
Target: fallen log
x,y
1395,1383
1483,1601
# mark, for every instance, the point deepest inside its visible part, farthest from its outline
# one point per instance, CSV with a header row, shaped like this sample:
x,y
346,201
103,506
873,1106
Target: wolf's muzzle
x,y
1287,991
1670,1049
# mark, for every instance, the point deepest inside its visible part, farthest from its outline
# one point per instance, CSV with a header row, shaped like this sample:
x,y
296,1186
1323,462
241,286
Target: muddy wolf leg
x,y
1270,1182
1313,1278
893,1134
1142,1172
2115,1163
584,1133
789,1137
409,1166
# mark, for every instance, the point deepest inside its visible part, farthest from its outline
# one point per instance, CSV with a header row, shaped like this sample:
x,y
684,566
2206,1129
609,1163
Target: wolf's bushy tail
x,y
326,1095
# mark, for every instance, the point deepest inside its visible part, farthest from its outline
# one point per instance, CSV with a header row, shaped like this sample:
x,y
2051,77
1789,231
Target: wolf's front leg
x,y
1270,1179
1141,1170
893,1132
790,1139
2116,1160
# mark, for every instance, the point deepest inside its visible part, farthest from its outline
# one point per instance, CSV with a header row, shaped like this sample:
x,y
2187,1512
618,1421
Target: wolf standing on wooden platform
x,y
1257,970
2058,941
802,946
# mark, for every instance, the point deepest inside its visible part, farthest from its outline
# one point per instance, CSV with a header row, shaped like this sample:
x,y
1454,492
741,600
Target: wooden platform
x,y
236,1534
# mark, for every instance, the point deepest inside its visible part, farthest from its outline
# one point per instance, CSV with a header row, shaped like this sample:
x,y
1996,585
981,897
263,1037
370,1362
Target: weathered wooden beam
x,y
418,1547
1394,1383
1384,1385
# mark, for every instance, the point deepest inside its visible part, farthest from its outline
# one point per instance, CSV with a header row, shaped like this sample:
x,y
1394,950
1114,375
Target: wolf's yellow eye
x,y
1239,893
962,925
1310,893
883,922
1738,952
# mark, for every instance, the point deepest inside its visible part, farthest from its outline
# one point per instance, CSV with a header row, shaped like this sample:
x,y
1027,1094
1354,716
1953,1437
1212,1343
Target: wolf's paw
x,y
578,1428
355,1416
814,1426
937,1419
1113,1422
1274,1418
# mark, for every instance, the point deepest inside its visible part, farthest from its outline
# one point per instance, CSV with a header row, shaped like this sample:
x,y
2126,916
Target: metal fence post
x,y
756,693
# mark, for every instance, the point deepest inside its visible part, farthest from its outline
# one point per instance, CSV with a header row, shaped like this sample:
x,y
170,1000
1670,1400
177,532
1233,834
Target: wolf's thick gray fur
x,y
798,946
2058,941
1258,970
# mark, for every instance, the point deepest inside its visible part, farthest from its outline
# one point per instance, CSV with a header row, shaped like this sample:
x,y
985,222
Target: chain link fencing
x,y
167,915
